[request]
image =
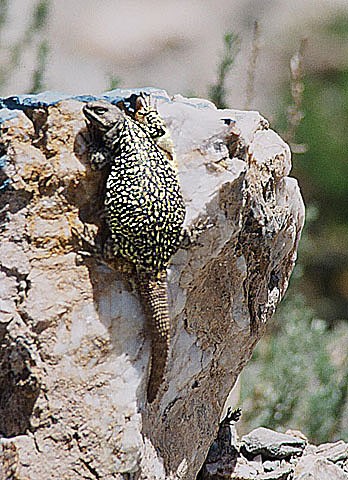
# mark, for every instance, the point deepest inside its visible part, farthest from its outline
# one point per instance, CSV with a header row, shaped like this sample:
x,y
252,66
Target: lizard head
x,y
102,114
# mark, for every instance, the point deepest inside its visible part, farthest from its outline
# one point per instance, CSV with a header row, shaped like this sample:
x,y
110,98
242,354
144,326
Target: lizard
x,y
144,209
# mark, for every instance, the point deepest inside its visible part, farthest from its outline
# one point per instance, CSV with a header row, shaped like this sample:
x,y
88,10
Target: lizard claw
x,y
191,234
86,239
87,236
81,256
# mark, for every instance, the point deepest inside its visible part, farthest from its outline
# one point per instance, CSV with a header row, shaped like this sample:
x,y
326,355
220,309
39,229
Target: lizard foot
x,y
88,247
190,235
115,261
106,254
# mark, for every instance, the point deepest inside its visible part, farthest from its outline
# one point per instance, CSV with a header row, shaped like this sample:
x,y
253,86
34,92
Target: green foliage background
x,y
298,377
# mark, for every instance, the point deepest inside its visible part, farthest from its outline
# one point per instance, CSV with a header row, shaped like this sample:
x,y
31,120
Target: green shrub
x,y
295,380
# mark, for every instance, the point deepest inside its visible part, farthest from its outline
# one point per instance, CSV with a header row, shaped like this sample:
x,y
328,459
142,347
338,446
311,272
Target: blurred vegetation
x,y
32,38
295,381
323,167
218,91
324,129
114,82
298,377
255,51
322,170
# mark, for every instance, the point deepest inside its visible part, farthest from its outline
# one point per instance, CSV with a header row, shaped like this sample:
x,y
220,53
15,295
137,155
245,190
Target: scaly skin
x,y
148,118
144,209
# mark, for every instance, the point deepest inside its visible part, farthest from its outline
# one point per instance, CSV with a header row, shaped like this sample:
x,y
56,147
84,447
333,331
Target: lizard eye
x,y
100,110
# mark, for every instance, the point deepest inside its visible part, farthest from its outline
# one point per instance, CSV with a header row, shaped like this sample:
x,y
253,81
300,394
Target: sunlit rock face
x,y
74,335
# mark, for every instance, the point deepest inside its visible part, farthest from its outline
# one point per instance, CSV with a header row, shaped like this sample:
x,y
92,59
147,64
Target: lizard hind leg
x,y
86,242
190,236
114,259
105,253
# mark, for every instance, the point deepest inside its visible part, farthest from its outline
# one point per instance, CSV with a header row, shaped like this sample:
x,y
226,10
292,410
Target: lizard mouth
x,y
92,120
89,116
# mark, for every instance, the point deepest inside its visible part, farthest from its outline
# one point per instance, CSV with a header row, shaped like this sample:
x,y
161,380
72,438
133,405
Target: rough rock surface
x,y
263,441
74,353
304,462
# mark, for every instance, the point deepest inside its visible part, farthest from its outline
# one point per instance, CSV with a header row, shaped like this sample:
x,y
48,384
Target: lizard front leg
x,y
98,158
149,118
190,235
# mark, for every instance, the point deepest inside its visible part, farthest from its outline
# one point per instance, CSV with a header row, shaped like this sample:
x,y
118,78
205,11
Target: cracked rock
x,y
312,467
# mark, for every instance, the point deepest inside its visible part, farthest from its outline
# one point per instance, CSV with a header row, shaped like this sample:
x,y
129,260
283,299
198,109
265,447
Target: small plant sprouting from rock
x,y
217,92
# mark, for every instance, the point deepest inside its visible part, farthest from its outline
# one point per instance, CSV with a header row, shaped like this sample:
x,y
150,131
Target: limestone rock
x,y
77,329
312,467
271,445
334,452
232,460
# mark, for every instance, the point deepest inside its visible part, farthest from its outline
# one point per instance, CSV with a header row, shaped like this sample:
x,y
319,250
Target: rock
x,y
335,452
323,462
311,467
297,434
81,325
269,465
246,470
271,445
20,379
282,473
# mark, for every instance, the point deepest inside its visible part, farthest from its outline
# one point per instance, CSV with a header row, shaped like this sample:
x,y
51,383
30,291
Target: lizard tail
x,y
153,291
